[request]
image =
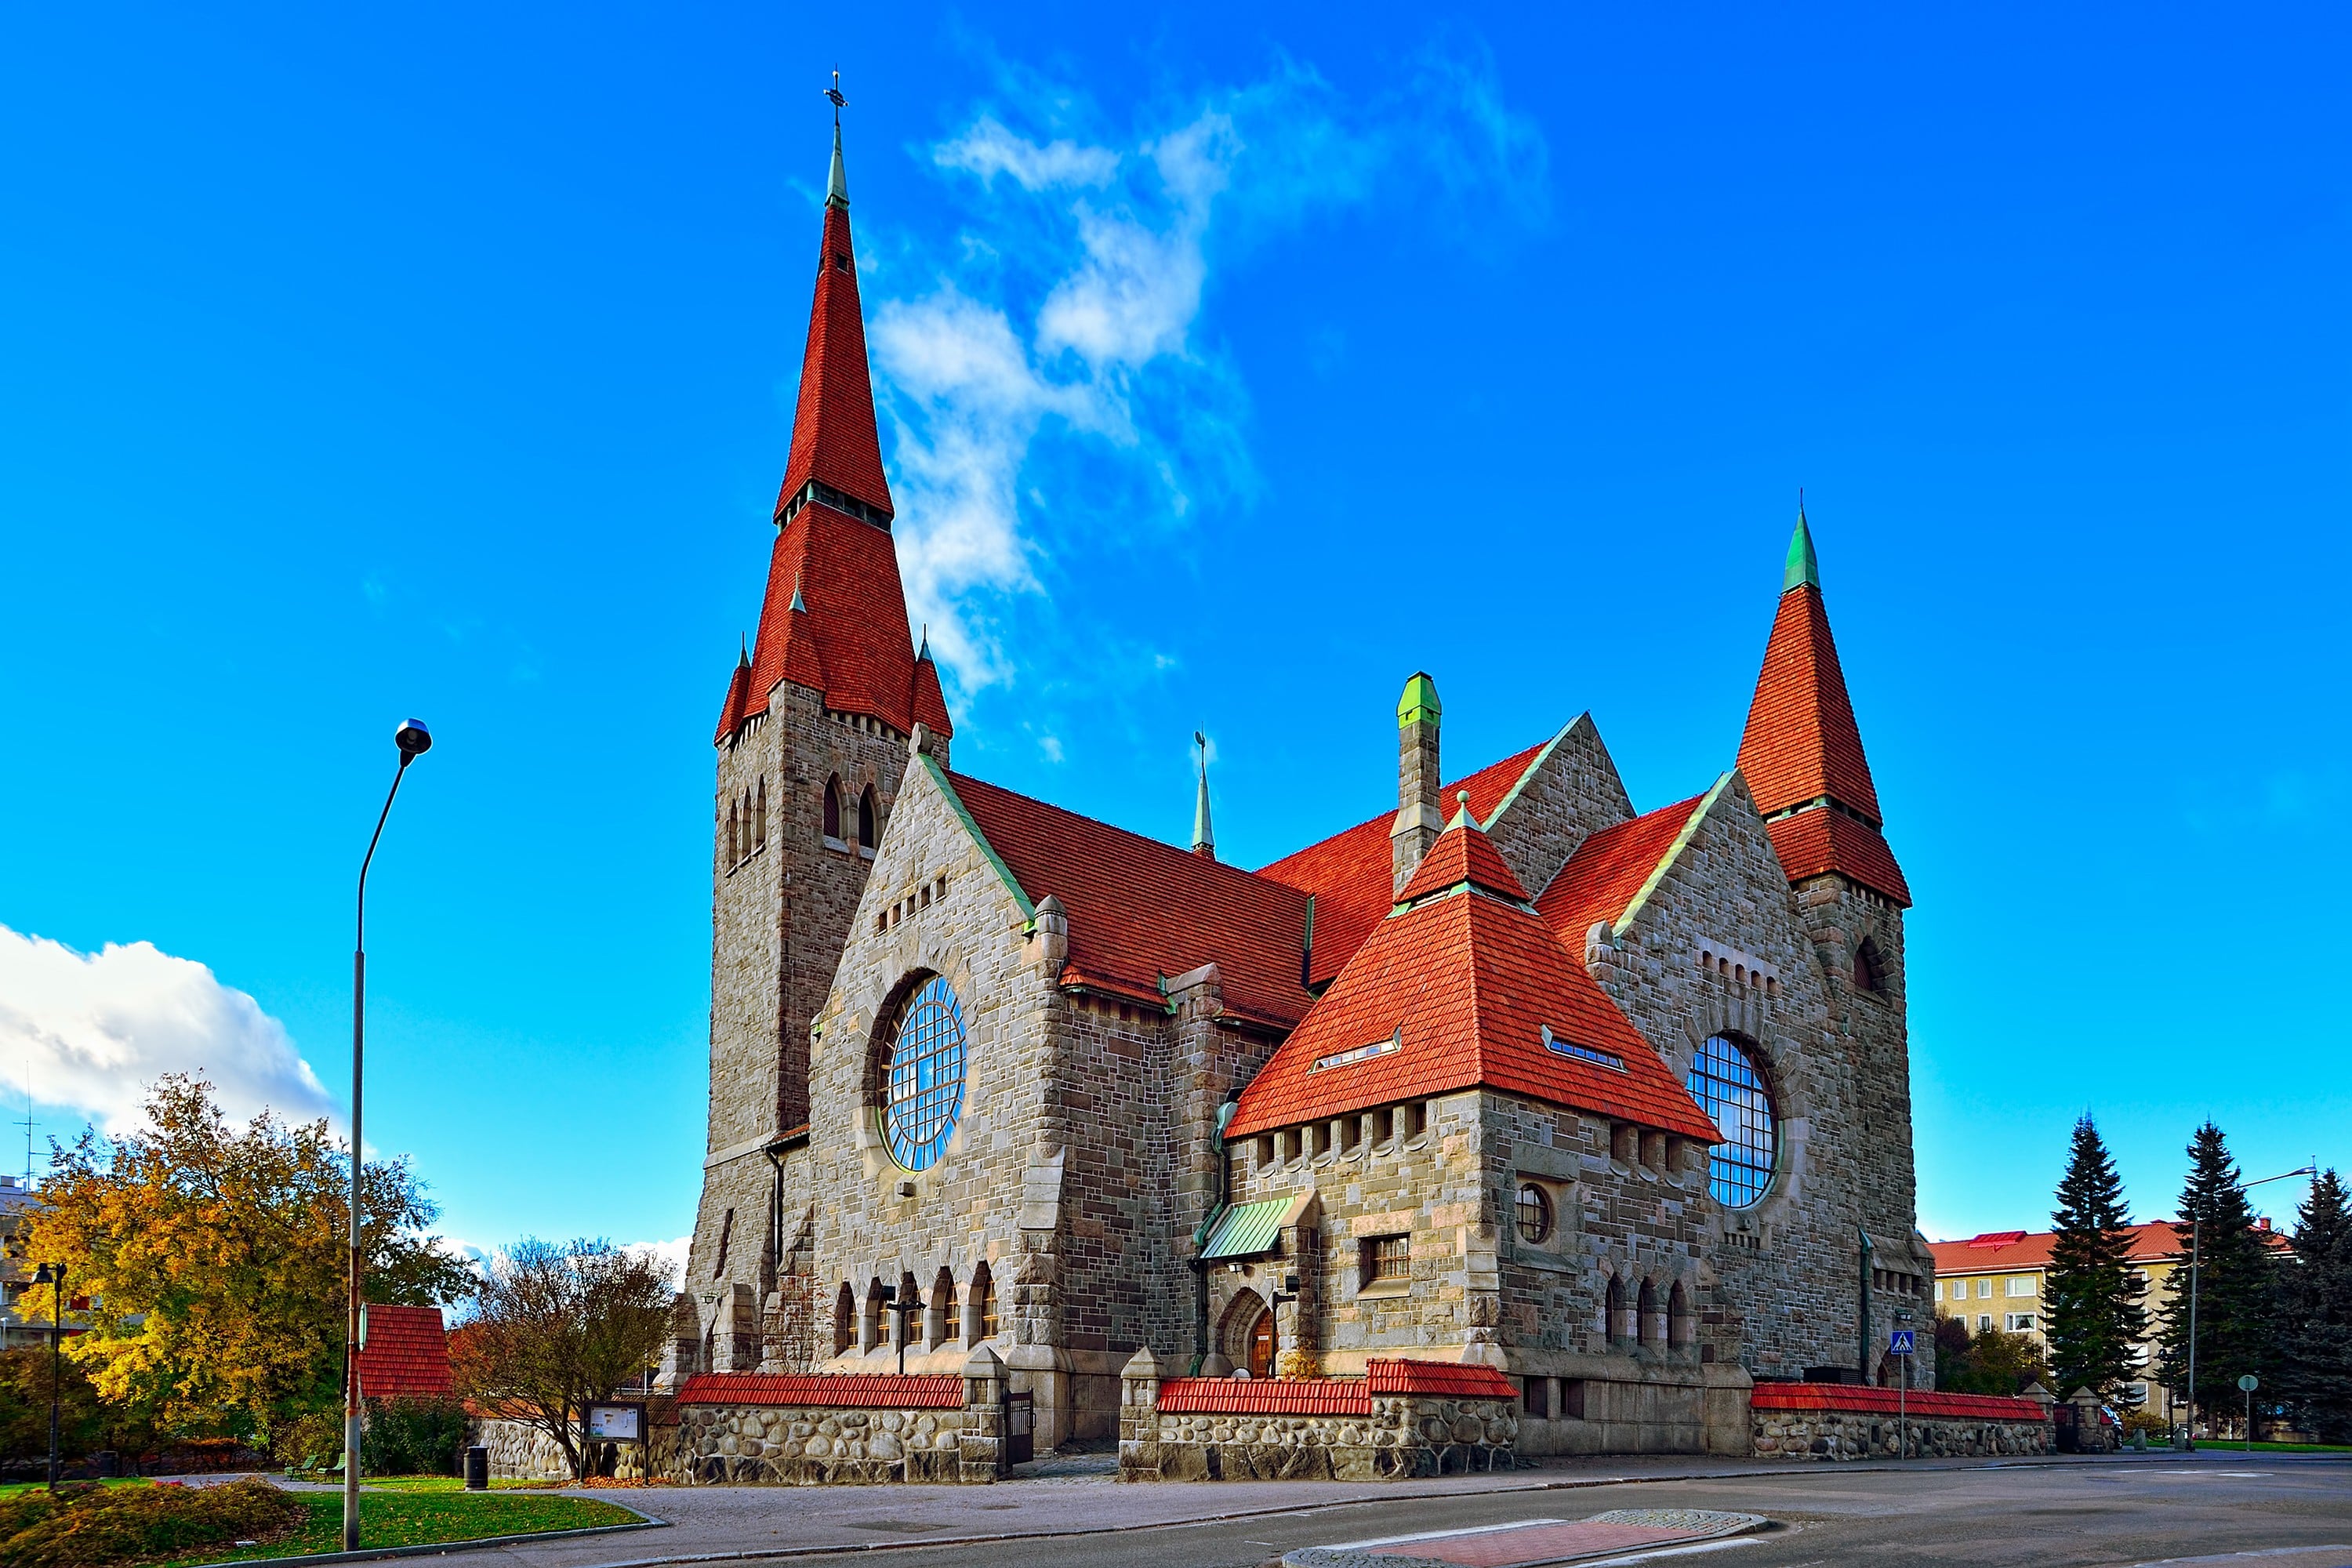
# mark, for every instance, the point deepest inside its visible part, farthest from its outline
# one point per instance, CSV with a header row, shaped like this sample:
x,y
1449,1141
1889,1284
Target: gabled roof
x,y
1461,990
1610,868
1141,910
834,438
1353,876
406,1355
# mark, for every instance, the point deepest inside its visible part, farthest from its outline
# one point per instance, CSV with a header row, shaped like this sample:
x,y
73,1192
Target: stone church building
x,y
1614,1102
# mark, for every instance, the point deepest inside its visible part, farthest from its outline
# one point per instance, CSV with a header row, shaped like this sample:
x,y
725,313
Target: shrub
x,y
2147,1421
91,1526
413,1437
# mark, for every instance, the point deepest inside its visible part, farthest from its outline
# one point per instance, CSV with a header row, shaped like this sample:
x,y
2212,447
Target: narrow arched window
x,y
845,1319
941,1317
760,815
832,810
909,1324
1613,1316
731,856
869,1325
866,835
1678,1322
1646,1318
981,1310
1869,968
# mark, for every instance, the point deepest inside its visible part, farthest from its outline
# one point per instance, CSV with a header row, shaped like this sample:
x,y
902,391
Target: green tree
x,y
552,1328
213,1259
1990,1360
2236,1280
2316,1314
85,1423
2093,1293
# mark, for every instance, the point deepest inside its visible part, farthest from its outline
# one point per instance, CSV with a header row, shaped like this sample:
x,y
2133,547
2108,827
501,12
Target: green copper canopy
x,y
1419,705
1804,571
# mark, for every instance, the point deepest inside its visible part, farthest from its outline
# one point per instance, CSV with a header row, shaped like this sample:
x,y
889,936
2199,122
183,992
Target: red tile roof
x,y
1608,868
854,628
828,1391
406,1355
1859,1398
930,702
1352,875
834,438
1265,1396
1462,859
1140,910
1466,984
1825,839
1999,1249
1801,742
1441,1379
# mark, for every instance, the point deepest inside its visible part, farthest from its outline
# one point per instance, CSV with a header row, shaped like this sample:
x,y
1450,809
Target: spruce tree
x,y
2316,1313
2093,1295
2235,1309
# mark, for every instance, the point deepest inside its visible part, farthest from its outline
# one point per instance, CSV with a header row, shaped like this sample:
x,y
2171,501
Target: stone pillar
x,y
1138,1417
682,1351
979,1449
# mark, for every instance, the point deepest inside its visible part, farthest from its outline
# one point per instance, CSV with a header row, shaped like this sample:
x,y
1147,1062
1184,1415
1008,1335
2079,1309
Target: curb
x,y
443,1548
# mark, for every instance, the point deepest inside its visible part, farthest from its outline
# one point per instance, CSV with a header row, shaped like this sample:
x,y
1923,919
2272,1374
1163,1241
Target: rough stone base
x,y
1843,1435
736,1444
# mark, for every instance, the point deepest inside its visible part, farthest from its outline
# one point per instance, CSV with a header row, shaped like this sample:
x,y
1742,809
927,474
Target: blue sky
x,y
1236,363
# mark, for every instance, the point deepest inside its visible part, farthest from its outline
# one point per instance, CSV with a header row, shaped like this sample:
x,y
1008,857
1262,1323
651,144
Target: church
x,y
1613,1102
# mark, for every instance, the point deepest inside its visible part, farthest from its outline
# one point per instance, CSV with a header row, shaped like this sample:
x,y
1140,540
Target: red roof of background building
x,y
828,1391
1140,910
1467,983
1801,742
833,436
1825,839
1352,874
1608,868
1999,1249
406,1355
1863,1399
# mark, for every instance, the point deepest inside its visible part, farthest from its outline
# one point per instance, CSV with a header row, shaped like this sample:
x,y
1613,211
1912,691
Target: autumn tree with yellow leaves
x,y
213,1260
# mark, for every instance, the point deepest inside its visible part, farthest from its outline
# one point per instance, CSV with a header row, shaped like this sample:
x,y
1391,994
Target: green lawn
x,y
420,1519
2283,1448
447,1484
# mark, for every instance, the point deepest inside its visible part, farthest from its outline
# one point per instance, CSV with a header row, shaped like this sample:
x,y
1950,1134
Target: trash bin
x,y
478,1469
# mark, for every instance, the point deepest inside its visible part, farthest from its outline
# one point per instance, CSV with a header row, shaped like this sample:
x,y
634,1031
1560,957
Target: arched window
x,y
1869,969
845,1319
832,810
979,1307
1645,1314
922,1079
1533,1211
867,834
1612,1311
869,1324
732,828
1678,1322
942,1315
1729,1087
760,815
907,1324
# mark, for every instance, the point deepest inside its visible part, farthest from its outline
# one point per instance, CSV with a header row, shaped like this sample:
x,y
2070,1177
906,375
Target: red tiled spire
x,y
1802,751
835,615
1451,993
835,443
1463,856
930,703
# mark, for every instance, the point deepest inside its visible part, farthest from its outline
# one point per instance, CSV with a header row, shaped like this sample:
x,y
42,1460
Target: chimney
x,y
1418,819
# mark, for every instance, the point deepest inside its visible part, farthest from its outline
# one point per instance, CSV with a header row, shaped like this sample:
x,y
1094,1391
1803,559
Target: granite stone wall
x,y
1873,1434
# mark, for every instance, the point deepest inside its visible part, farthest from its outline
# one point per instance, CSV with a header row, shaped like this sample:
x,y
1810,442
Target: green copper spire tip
x,y
836,188
1205,838
1419,705
1804,569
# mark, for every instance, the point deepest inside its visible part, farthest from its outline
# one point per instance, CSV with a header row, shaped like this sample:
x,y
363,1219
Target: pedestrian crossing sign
x,y
1902,1342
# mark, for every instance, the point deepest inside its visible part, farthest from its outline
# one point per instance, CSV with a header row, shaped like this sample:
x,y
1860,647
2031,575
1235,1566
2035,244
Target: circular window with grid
x,y
923,1082
1533,1210
1728,1088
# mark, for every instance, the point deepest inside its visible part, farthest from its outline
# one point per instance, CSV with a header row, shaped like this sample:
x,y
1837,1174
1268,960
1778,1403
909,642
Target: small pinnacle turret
x,y
1204,838
1804,569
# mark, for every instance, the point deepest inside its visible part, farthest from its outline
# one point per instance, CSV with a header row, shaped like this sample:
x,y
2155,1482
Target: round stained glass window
x,y
923,1085
1725,1082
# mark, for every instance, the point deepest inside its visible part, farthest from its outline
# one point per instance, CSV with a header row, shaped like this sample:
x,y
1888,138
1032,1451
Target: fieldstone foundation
x,y
1827,1421
840,1429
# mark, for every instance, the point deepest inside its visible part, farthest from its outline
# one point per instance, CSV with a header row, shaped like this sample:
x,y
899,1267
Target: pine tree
x,y
2316,1314
2093,1294
2235,1304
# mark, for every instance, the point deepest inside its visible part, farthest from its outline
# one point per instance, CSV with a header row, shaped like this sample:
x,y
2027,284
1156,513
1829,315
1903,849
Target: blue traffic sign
x,y
1902,1342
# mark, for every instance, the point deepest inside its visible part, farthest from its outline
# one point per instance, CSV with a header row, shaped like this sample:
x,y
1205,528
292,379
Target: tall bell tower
x,y
820,714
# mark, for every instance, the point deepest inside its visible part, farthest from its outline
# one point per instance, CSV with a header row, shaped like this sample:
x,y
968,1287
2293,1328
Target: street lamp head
x,y
413,740
43,1277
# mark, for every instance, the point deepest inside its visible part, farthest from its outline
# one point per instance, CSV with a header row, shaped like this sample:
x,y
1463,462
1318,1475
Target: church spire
x,y
1801,752
1204,838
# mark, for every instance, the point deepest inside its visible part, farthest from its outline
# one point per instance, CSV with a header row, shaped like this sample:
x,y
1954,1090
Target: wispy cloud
x,y
1053,369
96,1029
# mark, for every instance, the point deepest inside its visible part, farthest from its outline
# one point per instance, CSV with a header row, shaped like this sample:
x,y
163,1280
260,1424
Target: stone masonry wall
x,y
1857,1435
1575,791
1401,1438
736,1444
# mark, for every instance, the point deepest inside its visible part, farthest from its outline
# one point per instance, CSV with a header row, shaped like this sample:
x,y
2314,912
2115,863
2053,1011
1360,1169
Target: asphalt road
x,y
2126,1510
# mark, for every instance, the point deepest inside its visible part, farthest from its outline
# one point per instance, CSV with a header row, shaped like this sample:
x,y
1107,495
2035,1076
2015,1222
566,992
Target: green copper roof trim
x,y
1247,1230
940,777
1533,767
1804,569
1674,853
1419,705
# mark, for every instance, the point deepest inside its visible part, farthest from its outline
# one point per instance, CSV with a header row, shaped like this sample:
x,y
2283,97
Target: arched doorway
x,y
1245,1334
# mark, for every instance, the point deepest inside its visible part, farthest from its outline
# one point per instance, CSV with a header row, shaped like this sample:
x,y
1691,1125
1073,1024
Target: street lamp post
x,y
53,1275
2195,1225
413,740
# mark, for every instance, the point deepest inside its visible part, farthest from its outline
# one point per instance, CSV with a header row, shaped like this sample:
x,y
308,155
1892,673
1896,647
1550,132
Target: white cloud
x,y
1057,353
95,1029
671,1253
